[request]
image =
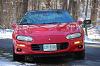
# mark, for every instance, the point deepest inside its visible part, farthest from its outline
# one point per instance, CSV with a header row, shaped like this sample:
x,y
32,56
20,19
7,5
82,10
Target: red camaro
x,y
47,34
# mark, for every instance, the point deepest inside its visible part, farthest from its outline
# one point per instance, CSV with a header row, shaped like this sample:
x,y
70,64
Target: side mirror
x,y
87,22
14,25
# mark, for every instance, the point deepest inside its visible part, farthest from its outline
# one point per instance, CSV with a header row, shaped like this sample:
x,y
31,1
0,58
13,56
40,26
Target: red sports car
x,y
47,33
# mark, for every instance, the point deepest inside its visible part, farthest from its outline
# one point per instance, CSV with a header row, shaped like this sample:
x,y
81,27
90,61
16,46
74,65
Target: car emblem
x,y
49,39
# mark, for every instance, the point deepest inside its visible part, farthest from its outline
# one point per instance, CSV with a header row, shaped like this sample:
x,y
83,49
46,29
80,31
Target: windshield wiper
x,y
25,23
52,23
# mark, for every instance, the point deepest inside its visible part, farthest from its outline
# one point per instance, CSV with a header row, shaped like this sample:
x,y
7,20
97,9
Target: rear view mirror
x,y
87,22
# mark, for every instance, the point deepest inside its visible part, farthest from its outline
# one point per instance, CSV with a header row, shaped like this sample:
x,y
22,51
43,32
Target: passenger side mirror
x,y
87,22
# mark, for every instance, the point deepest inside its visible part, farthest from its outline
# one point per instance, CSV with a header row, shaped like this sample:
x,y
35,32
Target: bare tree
x,y
83,5
99,8
65,4
73,8
94,10
1,11
21,8
48,4
11,9
5,13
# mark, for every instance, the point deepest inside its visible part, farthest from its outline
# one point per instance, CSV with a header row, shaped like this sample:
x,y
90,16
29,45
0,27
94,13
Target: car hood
x,y
47,29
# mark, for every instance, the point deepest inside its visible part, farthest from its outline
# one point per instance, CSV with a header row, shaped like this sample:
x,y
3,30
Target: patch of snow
x,y
94,33
4,62
93,45
87,40
29,64
6,33
98,20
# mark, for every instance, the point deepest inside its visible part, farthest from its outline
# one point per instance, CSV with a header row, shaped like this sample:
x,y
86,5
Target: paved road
x,y
92,57
6,44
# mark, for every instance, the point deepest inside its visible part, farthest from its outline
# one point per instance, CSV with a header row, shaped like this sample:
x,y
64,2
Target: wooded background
x,y
13,10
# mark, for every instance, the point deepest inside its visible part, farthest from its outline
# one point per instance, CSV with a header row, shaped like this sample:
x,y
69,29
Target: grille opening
x,y
36,47
18,49
80,46
39,47
62,46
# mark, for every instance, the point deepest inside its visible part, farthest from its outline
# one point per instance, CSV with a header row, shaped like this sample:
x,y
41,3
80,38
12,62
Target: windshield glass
x,y
46,17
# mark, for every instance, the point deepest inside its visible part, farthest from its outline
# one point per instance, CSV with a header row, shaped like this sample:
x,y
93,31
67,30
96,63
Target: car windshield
x,y
46,17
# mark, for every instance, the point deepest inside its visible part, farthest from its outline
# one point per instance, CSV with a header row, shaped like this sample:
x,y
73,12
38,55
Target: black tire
x,y
17,57
79,55
29,58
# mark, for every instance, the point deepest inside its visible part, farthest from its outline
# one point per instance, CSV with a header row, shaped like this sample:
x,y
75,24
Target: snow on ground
x,y
6,33
88,40
9,63
6,62
94,33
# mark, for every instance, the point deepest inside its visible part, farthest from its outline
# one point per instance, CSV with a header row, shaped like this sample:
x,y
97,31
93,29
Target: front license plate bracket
x,y
49,47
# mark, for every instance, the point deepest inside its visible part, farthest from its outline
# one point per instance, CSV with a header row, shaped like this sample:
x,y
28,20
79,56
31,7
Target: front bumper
x,y
68,48
61,54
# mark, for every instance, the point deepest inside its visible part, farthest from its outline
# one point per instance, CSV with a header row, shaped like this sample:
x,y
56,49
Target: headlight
x,y
24,38
75,35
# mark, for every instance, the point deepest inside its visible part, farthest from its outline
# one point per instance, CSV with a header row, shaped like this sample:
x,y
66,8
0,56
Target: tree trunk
x,y
5,13
94,10
48,4
25,6
74,8
83,5
65,4
1,11
99,9
21,8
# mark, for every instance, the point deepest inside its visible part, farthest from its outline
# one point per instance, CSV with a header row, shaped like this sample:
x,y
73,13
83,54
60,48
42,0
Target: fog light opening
x,y
80,46
19,49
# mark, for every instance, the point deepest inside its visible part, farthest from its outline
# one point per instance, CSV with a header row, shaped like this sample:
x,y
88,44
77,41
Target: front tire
x,y
79,55
17,57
